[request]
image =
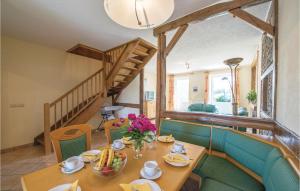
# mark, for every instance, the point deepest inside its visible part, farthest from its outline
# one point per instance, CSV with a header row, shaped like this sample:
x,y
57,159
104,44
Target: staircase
x,y
123,63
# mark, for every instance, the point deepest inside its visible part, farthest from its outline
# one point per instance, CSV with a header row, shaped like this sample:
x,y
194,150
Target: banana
x,y
102,158
110,157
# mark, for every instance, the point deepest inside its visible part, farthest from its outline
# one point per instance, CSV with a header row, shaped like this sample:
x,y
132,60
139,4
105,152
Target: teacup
x,y
71,163
117,144
150,168
178,147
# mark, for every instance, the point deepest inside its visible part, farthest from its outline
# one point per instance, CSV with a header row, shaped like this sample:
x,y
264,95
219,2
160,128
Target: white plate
x,y
117,149
179,164
90,152
63,187
156,176
163,138
154,185
79,166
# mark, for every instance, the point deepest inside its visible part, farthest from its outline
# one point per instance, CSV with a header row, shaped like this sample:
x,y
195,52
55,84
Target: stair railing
x,y
68,106
113,56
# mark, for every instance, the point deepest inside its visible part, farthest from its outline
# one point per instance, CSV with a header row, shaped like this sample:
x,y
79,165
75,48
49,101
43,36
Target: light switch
x,y
14,105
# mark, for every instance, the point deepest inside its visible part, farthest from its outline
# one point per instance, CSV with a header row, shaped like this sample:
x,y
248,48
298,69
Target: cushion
x,y
281,177
247,151
273,156
191,133
218,139
223,171
72,147
208,184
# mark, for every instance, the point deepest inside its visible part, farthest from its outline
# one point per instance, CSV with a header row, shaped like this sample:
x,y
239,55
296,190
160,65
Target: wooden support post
x,y
142,91
252,20
175,38
161,78
47,141
103,80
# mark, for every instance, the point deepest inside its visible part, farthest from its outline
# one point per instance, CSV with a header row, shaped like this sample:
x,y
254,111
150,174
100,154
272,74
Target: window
x,y
220,92
181,94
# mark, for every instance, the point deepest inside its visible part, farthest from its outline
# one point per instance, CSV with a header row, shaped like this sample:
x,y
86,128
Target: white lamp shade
x,y
139,14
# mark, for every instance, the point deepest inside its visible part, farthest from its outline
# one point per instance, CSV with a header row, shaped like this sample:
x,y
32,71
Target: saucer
x,y
117,149
78,167
155,176
183,151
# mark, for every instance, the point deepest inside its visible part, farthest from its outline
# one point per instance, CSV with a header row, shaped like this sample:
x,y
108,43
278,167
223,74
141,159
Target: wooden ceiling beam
x,y
175,38
252,20
205,13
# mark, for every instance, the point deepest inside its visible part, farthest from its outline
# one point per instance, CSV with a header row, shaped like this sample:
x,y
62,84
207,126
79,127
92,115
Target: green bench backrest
x,y
191,133
281,177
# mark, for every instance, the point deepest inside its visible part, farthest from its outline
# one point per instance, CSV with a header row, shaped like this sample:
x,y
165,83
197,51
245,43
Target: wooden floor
x,y
14,164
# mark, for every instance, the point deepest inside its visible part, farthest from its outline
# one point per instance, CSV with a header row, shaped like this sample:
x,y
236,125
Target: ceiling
x,y
64,23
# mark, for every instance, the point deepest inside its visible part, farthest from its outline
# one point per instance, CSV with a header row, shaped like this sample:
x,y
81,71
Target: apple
x,y
106,170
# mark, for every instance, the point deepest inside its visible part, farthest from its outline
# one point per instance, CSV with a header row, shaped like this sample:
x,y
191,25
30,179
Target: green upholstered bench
x,y
187,132
263,159
200,107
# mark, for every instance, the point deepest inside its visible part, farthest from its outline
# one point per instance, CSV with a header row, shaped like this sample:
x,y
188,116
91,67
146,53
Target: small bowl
x,y
118,164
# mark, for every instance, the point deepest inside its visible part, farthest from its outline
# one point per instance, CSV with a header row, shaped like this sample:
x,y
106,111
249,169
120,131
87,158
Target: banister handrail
x,y
75,87
240,121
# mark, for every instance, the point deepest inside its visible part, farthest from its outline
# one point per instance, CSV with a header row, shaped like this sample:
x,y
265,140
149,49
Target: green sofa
x,y
200,107
218,174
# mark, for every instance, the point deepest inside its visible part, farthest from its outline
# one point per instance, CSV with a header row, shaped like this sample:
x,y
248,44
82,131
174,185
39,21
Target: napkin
x,y
73,186
136,187
175,158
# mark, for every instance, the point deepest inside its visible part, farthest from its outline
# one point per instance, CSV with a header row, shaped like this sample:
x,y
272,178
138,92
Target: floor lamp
x,y
233,64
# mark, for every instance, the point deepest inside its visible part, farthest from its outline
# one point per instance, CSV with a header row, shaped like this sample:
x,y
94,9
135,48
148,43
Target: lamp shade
x,y
139,14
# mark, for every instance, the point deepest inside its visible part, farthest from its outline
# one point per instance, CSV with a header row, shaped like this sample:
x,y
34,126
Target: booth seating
x,y
264,161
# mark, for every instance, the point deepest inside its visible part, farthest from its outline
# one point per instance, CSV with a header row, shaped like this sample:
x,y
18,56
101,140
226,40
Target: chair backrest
x,y
71,141
113,132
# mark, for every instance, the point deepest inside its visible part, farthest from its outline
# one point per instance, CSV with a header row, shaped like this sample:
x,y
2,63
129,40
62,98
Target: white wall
x,y
288,95
32,75
131,94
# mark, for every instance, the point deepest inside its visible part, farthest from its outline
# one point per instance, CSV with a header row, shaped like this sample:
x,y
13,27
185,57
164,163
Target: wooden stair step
x,y
120,81
140,53
136,61
129,68
124,75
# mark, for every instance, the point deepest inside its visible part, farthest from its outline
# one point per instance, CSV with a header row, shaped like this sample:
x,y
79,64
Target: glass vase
x,y
138,146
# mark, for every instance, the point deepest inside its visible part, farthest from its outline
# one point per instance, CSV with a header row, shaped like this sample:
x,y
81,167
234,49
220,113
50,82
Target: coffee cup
x,y
71,163
117,144
150,167
178,147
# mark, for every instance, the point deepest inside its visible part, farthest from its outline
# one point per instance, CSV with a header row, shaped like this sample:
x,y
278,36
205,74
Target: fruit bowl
x,y
110,163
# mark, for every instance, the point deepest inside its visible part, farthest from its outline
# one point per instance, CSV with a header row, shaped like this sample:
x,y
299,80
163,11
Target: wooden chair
x,y
71,141
112,132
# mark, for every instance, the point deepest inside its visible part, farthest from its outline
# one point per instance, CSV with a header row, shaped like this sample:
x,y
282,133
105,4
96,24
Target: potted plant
x,y
251,97
139,131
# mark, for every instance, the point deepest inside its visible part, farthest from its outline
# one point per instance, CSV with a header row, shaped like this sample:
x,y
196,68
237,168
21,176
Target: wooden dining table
x,y
172,178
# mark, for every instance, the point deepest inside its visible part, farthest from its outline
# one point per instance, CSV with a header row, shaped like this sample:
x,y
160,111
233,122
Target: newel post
x,y
47,141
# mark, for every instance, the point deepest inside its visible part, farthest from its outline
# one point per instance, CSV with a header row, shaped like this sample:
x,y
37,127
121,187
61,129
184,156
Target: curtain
x,y
206,87
171,93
